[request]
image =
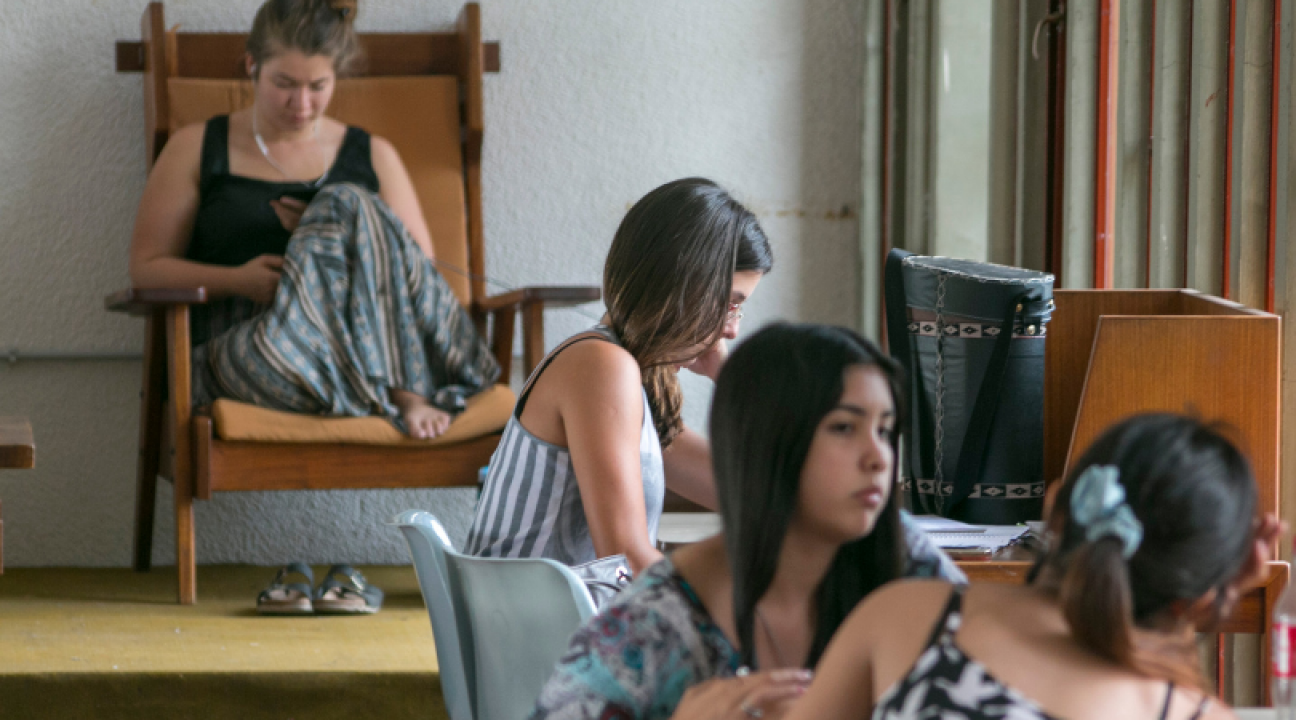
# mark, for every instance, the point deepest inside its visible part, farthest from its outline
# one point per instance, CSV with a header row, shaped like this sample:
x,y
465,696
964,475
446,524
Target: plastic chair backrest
x,y
428,544
522,613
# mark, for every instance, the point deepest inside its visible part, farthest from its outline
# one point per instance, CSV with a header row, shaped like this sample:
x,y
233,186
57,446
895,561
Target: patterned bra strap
x,y
950,619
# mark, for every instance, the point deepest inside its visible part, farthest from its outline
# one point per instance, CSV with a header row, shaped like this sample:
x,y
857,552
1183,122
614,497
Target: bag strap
x,y
897,327
973,455
922,427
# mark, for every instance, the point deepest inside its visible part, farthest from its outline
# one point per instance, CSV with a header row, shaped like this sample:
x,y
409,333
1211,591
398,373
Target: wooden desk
x,y
17,452
1251,615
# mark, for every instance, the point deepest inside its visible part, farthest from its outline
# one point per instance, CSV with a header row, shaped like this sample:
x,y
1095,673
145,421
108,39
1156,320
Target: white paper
x,y
990,537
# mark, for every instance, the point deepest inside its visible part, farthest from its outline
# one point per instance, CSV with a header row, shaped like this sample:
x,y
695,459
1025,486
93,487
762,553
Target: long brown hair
x,y
1195,496
313,27
668,277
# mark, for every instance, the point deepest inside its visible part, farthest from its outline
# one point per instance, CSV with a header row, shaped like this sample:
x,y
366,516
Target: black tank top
x,y
235,222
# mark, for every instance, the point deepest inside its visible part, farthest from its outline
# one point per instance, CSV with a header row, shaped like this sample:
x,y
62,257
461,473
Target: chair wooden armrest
x,y
531,302
144,301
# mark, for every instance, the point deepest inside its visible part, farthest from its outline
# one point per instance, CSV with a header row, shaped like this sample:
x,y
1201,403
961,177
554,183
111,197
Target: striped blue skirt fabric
x,y
359,310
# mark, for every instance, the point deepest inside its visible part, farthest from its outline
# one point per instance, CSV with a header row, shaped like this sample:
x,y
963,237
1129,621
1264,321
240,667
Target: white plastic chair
x,y
499,624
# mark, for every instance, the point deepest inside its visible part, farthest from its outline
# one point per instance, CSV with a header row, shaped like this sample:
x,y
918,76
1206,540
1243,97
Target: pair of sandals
x,y
344,591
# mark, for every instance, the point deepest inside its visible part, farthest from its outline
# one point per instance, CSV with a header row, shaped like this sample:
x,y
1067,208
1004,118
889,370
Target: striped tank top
x,y
531,504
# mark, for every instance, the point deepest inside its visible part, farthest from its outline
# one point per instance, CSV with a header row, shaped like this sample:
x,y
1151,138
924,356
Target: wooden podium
x,y
1114,353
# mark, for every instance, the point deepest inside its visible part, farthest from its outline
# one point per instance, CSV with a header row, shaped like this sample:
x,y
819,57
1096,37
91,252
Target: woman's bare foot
x,y
422,420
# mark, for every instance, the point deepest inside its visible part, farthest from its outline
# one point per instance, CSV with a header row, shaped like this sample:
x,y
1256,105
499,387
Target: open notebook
x,y
952,534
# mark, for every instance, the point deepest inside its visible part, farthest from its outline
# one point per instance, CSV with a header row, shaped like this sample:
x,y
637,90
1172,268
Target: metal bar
x,y
1275,99
1056,156
1186,193
888,157
1105,165
1226,271
1151,135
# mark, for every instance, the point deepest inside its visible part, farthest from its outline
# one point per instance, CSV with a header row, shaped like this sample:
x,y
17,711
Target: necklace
x,y
778,655
265,153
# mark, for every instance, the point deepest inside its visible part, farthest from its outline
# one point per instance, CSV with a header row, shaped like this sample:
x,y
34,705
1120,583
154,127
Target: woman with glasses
x,y
596,436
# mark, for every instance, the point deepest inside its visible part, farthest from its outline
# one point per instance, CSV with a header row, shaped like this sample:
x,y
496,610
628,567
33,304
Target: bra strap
x,y
1165,707
531,381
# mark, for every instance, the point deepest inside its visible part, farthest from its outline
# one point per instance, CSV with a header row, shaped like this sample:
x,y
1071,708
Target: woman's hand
x,y
708,364
758,695
259,278
289,210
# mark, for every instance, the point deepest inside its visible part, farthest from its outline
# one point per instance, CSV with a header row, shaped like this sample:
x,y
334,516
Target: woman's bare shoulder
x,y
899,606
185,144
596,366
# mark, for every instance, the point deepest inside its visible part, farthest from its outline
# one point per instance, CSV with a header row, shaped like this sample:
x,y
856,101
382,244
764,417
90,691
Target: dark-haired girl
x,y
1155,531
804,436
596,438
350,318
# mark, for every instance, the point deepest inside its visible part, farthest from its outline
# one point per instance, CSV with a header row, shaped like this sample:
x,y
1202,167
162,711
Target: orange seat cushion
x,y
419,116
487,412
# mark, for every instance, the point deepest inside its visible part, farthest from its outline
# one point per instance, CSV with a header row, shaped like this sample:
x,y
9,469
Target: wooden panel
x,y
143,301
1219,368
1251,615
996,571
383,52
220,55
156,109
17,447
1069,350
1192,302
152,420
469,51
1066,356
178,369
236,466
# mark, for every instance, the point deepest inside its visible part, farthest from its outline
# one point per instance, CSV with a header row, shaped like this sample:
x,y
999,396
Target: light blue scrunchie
x,y
1098,505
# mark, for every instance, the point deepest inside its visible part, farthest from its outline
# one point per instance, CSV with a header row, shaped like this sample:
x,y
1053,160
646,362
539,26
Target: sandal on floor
x,y
345,591
284,598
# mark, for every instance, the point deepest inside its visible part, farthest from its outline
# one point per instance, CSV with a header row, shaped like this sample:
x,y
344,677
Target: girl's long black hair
x,y
770,398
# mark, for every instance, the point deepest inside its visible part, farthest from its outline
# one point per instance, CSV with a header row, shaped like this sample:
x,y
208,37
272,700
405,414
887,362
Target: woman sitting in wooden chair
x,y
350,318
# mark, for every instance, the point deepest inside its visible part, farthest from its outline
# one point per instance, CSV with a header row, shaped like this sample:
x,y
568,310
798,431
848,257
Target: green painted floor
x,y
109,643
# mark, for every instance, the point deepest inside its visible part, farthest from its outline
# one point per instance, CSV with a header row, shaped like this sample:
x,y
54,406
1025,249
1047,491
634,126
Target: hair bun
x,y
345,8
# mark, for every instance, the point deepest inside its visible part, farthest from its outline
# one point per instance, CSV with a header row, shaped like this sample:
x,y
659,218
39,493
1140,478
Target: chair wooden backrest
x,y
421,91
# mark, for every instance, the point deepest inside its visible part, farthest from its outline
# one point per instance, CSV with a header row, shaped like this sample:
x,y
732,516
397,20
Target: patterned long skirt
x,y
359,310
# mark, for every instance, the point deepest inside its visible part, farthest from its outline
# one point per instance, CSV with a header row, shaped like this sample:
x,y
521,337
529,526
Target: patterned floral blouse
x,y
637,656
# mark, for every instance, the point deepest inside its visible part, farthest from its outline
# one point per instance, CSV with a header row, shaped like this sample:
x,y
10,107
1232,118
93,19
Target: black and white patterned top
x,y
945,683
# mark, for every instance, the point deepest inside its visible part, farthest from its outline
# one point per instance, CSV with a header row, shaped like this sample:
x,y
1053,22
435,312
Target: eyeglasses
x,y
735,313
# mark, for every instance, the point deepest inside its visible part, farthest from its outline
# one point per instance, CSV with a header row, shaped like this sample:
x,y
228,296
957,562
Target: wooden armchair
x,y
423,92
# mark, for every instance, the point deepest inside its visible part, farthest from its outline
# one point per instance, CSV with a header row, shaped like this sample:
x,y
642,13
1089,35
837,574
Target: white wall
x,y
597,103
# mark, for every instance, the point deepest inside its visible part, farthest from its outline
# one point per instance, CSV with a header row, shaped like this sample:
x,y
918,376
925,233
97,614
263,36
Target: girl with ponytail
x,y
1154,533
596,437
